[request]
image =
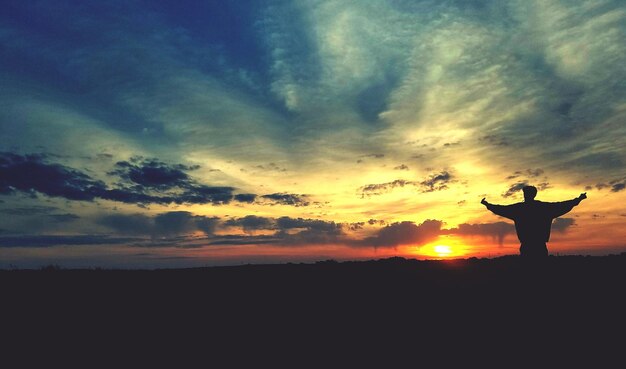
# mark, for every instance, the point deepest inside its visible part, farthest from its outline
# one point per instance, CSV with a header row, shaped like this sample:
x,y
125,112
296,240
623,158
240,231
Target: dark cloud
x,y
498,230
55,240
287,199
202,194
142,181
290,231
355,226
175,223
618,187
380,188
534,172
251,223
245,197
128,224
404,233
63,218
494,140
168,224
543,186
401,167
309,231
31,174
142,176
562,224
29,210
152,173
208,225
244,240
531,173
514,188
436,182
285,223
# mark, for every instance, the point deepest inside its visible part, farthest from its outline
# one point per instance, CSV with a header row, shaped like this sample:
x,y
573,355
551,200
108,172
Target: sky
x,y
156,134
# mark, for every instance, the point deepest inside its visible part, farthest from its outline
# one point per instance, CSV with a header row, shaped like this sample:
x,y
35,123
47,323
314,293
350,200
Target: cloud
x,y
63,218
31,174
144,175
616,185
286,199
30,210
151,173
534,172
251,223
288,230
181,222
143,181
57,240
165,225
380,188
518,186
531,173
562,224
498,230
285,223
514,189
404,233
244,240
401,167
245,197
435,182
128,224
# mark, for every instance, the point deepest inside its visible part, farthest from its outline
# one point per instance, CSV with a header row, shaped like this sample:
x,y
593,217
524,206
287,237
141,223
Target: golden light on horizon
x,y
442,250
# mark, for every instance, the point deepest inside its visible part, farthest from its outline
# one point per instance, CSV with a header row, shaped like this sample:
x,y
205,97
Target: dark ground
x,y
566,304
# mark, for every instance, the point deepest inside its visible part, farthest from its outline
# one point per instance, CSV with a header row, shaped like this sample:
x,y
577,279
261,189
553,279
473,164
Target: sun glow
x,y
447,247
442,250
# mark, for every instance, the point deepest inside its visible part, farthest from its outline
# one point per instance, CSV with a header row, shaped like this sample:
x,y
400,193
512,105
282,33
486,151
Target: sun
x,y
442,250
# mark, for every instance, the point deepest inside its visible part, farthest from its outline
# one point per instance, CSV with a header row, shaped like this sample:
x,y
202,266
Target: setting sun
x,y
444,247
443,250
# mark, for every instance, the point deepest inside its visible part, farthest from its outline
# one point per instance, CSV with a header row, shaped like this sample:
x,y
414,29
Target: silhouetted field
x,y
570,299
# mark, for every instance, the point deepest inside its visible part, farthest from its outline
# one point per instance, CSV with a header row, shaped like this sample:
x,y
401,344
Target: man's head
x,y
529,193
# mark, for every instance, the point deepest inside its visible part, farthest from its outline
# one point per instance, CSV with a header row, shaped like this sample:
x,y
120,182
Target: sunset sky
x,y
190,133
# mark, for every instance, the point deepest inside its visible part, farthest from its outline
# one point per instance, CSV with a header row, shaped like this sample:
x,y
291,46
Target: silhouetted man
x,y
533,219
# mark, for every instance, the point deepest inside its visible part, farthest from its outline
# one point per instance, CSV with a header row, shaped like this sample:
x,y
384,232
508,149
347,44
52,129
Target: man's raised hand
x,y
483,201
583,196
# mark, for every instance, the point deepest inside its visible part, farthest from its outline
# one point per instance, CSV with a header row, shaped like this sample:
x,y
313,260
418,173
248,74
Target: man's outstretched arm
x,y
561,208
506,211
